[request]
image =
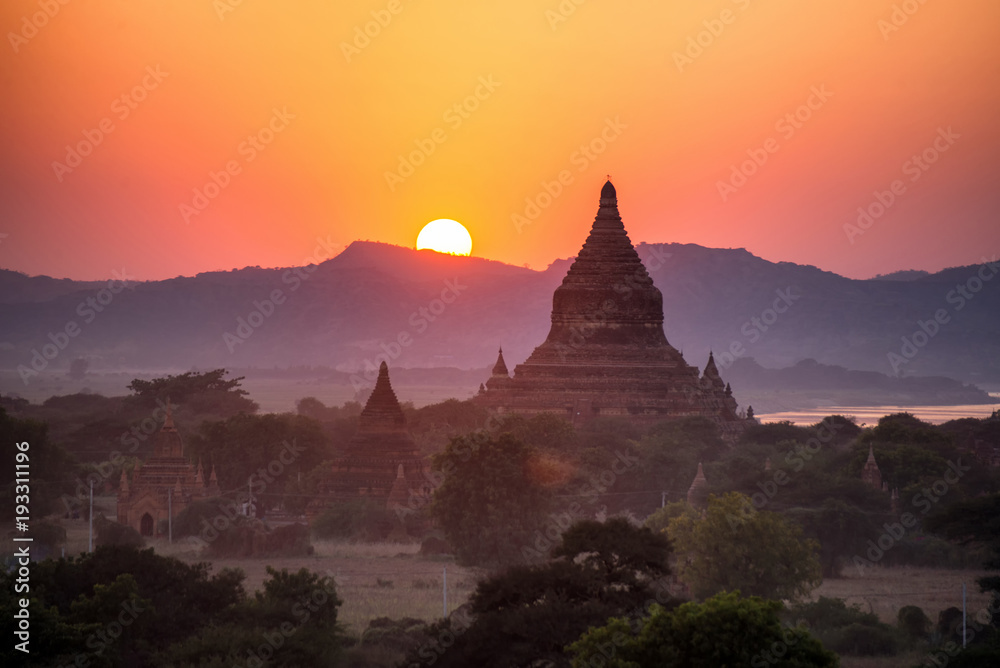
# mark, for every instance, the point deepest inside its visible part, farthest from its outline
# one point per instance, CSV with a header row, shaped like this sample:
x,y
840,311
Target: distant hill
x,y
902,275
423,309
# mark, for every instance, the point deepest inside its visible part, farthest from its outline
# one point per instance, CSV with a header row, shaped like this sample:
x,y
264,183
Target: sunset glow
x,y
174,138
445,236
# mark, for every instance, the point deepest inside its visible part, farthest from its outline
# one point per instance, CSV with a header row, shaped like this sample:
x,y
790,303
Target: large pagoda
x,y
606,353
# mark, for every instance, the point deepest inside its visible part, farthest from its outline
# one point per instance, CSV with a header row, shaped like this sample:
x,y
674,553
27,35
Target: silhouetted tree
x,y
725,630
489,503
735,547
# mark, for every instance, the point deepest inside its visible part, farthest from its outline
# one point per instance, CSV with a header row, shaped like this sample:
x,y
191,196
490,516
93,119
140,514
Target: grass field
x,y
392,580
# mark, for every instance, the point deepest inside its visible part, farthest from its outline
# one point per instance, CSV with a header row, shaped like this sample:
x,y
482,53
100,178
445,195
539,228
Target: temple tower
x,y
606,353
381,461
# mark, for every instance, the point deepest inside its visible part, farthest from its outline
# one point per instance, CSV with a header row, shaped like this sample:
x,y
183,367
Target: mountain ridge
x,y
349,310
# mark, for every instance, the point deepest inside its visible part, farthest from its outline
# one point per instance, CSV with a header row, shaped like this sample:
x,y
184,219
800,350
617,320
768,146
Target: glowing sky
x,y
531,92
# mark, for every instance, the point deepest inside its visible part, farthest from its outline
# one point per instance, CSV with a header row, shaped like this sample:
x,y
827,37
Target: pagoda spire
x,y
168,422
871,473
699,488
711,374
500,368
382,410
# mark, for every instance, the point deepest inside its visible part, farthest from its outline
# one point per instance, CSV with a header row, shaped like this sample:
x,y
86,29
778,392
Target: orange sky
x,y
341,118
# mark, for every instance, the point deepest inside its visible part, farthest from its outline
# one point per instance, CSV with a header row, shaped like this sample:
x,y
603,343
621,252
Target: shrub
x,y
363,519
913,622
112,533
862,640
193,519
399,635
847,630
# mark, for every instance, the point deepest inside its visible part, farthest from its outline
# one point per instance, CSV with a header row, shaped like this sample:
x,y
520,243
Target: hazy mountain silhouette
x,y
372,296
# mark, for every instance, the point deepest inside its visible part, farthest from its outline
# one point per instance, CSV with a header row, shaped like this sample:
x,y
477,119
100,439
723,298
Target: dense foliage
x,y
725,630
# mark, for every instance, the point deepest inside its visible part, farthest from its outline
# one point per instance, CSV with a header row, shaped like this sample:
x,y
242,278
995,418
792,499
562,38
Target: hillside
x,y
423,309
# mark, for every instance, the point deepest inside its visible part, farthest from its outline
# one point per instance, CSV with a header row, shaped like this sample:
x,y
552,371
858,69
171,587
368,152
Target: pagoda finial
x,y
500,368
608,191
699,488
168,422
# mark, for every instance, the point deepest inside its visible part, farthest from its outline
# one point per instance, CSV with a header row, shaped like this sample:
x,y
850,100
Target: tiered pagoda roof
x,y
606,353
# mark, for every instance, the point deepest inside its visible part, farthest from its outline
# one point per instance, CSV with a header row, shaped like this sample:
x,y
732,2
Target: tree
x,y
974,522
115,607
623,554
268,452
735,547
725,630
52,467
292,622
526,615
490,504
183,598
208,392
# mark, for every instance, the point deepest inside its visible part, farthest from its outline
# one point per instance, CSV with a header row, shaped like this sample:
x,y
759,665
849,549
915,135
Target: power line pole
x,y
170,516
90,547
444,589
963,615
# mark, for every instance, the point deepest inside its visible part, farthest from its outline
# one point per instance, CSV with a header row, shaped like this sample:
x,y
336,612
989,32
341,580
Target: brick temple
x,y
381,461
165,483
606,353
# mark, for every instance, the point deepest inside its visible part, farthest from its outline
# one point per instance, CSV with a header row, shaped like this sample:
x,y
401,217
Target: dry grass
x,y
373,580
885,590
416,589
907,660
362,572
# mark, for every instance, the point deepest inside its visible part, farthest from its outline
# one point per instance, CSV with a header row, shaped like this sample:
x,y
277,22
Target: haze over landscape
x,y
565,334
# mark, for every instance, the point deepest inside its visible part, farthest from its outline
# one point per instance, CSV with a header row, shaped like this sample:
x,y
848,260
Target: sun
x,y
445,236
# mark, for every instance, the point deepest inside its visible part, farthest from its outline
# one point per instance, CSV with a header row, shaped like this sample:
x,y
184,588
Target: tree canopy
x,y
491,502
528,614
725,630
734,547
